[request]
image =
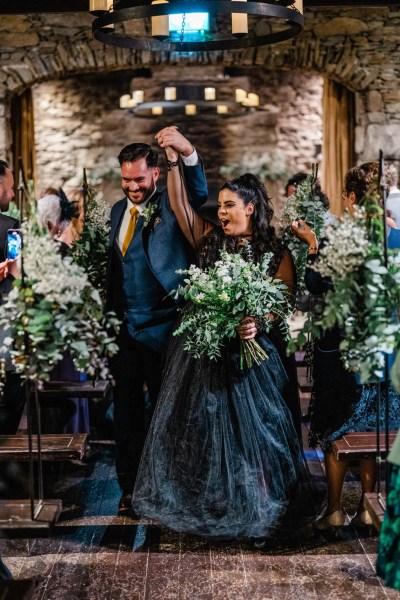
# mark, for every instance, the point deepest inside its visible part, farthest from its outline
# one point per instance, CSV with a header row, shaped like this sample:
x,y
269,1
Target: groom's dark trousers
x,y
139,285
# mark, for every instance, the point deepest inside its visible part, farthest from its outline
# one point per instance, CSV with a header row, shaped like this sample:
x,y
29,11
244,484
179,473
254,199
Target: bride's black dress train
x,y
222,457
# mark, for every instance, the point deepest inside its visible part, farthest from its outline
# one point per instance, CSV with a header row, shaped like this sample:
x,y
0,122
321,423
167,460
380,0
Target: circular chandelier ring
x,y
104,33
139,111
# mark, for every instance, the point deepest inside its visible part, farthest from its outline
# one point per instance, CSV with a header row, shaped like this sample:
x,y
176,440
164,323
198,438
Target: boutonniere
x,y
149,212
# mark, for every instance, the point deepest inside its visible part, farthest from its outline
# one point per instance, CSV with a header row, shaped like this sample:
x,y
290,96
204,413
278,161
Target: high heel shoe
x,y
362,519
332,522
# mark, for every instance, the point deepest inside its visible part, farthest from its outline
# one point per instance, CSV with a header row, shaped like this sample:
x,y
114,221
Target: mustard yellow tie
x,y
131,229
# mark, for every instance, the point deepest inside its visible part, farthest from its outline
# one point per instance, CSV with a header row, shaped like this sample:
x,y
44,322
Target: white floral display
x,y
90,251
54,310
364,294
342,254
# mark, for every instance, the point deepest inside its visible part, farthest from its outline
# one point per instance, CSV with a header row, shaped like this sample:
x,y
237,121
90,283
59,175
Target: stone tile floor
x,y
93,554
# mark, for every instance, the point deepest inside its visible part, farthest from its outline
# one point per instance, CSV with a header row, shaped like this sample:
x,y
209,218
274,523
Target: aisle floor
x,y
93,554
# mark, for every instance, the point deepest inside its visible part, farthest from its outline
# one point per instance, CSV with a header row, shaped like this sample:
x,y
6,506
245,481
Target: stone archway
x,y
356,48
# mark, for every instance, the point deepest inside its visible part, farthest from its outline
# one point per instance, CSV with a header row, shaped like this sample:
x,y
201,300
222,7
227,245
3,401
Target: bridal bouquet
x,y
306,205
220,296
90,251
54,309
365,293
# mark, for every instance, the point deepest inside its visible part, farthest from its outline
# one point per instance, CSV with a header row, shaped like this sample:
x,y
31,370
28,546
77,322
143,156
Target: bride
x,y
222,458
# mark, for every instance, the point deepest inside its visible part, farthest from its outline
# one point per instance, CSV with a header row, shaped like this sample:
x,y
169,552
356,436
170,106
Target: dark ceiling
x,y
37,6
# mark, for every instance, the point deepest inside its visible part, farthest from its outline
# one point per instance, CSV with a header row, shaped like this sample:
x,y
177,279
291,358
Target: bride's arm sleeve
x,y
193,226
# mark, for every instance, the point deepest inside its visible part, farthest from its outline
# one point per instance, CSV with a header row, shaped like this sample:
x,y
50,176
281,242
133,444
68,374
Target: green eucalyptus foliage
x,y
364,296
90,251
304,204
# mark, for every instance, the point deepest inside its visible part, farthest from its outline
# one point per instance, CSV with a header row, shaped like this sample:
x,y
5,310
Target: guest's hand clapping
x,y
247,329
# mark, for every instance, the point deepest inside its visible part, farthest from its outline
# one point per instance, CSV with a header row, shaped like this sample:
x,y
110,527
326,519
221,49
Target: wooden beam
x,y
15,7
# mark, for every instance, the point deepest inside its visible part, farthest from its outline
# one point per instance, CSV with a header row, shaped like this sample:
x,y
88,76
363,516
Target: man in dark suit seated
x,y
12,399
146,249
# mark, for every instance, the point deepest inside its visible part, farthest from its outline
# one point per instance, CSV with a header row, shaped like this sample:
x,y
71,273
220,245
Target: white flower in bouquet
x,y
219,297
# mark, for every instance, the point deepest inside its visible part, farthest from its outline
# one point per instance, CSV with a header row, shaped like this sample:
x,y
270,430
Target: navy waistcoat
x,y
150,313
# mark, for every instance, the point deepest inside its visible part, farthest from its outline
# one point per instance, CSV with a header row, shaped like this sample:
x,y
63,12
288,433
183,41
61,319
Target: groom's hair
x,y
134,152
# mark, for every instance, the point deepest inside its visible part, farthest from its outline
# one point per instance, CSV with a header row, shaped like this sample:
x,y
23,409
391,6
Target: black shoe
x,y
124,506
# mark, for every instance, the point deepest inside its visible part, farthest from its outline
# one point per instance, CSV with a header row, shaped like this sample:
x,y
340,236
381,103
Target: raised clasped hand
x,y
171,137
247,329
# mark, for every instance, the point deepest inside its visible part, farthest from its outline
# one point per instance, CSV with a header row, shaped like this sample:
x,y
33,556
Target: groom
x,y
146,248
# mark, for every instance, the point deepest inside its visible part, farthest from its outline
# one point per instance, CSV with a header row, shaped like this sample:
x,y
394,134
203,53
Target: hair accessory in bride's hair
x,y
68,209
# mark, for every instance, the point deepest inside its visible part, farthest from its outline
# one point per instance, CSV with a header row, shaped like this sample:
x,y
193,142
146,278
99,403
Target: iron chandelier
x,y
232,24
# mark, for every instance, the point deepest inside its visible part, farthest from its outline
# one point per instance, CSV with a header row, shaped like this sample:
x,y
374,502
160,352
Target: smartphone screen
x,y
14,243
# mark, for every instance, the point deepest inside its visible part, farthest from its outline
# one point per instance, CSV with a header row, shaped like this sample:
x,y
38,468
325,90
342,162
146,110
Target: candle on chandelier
x,y
240,26
170,93
160,25
209,93
190,109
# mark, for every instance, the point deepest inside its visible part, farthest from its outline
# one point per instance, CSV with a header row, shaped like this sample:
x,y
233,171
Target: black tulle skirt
x,y
222,458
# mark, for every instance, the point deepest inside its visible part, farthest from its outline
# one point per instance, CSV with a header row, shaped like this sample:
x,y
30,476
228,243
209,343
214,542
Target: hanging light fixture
x,y
197,25
190,99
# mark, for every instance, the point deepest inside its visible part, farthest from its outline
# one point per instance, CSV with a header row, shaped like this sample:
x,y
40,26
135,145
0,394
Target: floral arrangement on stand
x,y
220,296
90,251
365,293
54,309
304,204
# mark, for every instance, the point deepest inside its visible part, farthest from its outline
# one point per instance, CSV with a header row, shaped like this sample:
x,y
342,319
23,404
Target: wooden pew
x,y
75,389
17,514
354,446
374,503
58,446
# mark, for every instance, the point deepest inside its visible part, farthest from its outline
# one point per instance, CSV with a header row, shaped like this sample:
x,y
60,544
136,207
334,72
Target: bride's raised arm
x,y
193,226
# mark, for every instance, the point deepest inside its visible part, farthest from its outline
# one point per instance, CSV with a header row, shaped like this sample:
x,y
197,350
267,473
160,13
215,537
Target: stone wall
x,y
355,46
78,124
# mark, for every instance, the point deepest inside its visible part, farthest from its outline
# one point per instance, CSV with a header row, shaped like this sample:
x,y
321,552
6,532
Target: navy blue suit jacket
x,y
165,246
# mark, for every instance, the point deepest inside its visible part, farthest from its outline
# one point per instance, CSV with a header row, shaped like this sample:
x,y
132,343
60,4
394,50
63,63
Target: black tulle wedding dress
x,y
222,458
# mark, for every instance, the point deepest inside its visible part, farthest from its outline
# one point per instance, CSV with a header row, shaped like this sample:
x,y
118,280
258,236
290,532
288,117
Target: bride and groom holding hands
x,y
221,456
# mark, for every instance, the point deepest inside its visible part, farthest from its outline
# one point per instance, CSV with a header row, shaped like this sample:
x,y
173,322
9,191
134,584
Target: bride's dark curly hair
x,y
250,189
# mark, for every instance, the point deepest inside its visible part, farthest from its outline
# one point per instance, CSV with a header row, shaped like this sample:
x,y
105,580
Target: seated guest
x,y
13,398
70,415
340,405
